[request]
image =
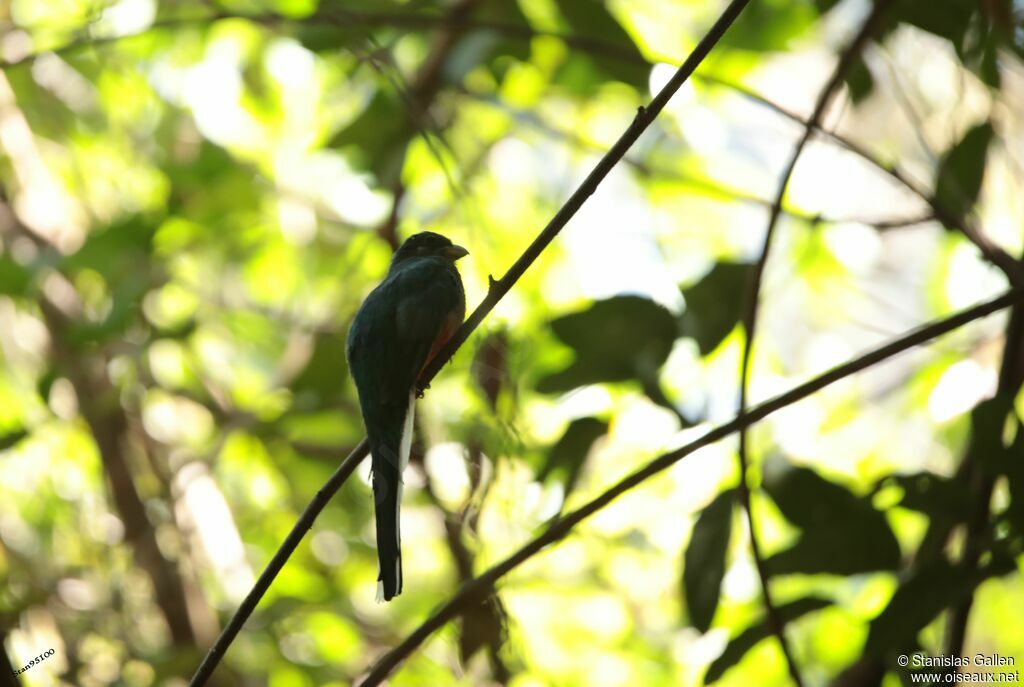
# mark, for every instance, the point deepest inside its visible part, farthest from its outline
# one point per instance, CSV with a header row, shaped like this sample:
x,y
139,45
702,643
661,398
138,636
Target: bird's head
x,y
428,244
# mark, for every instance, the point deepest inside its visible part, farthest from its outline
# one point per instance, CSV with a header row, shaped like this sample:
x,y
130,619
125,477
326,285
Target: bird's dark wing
x,y
431,306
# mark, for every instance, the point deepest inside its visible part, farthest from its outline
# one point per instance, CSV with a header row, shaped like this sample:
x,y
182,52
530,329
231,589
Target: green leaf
x,y
704,561
988,419
326,373
915,604
738,646
324,36
1015,480
945,18
841,533
490,47
622,338
11,439
590,19
126,309
567,457
714,304
378,137
859,81
962,170
14,278
769,25
933,495
825,6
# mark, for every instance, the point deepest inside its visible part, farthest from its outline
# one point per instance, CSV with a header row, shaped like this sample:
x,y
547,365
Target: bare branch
x,y
846,60
973,474
481,586
706,187
997,256
643,119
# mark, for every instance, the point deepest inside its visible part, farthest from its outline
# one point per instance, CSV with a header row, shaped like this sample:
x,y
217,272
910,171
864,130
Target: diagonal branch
x,y
704,186
846,60
973,474
587,44
476,590
994,254
497,290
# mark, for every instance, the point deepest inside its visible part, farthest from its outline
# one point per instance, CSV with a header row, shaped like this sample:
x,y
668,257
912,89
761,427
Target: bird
x,y
397,330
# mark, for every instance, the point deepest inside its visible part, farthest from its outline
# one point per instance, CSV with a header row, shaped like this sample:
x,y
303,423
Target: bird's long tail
x,y
390,451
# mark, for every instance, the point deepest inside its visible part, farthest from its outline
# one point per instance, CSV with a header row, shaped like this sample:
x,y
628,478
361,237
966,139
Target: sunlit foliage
x,y
198,194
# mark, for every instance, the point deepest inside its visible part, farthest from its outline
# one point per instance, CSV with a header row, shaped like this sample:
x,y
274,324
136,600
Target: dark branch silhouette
x,y
842,68
498,289
476,590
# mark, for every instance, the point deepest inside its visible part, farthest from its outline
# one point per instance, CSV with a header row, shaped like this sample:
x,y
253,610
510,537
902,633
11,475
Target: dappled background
x,y
197,195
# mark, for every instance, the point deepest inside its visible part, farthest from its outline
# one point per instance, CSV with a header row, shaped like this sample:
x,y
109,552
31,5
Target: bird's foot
x,y
420,390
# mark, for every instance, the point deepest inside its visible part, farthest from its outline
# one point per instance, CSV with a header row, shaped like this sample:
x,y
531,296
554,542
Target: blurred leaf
x,y
980,51
324,428
962,170
590,19
489,47
1015,480
326,374
117,249
567,457
483,625
988,419
14,279
327,36
945,18
204,183
704,563
825,6
126,310
622,338
378,137
11,439
738,646
933,495
859,81
713,305
916,602
490,366
841,533
769,25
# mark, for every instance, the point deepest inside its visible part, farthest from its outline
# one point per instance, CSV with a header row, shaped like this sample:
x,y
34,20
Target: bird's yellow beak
x,y
454,252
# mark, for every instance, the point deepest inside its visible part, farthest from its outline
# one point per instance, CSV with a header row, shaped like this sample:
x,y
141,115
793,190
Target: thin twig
x,y
975,476
1013,270
846,60
644,117
596,46
706,187
481,586
498,288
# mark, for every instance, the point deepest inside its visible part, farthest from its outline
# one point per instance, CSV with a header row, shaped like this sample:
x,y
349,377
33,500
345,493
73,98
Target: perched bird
x,y
397,330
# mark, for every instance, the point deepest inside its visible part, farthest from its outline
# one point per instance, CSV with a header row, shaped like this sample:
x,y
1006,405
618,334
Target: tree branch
x,y
596,46
706,187
981,484
1013,270
846,59
498,288
481,586
491,611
